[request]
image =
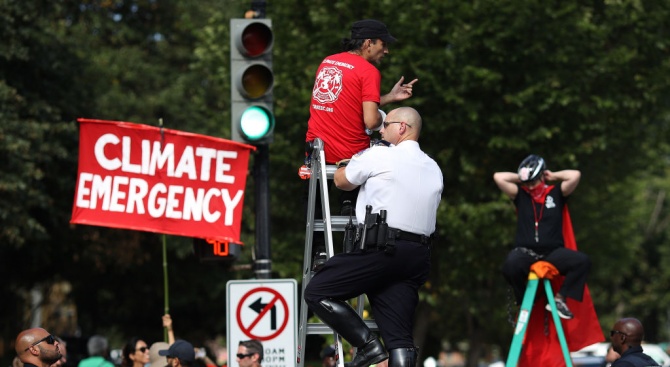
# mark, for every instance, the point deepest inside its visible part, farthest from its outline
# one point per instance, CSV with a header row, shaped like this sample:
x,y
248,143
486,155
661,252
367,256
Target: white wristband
x,y
383,114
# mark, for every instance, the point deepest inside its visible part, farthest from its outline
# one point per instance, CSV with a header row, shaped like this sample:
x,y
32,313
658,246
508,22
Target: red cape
x,y
544,350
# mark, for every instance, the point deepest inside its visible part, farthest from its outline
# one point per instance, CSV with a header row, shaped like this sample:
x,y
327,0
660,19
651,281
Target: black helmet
x,y
531,168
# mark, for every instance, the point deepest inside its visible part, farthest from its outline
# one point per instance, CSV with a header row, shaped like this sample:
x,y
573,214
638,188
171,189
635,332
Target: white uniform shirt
x,y
401,179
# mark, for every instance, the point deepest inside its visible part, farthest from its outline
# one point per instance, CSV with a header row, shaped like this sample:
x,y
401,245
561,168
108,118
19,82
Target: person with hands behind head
x,y
539,234
249,353
37,348
626,337
345,104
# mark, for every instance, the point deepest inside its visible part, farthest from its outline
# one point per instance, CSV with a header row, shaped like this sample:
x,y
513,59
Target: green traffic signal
x,y
256,123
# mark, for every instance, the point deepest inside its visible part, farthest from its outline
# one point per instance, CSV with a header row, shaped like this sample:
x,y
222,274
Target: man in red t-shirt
x,y
346,94
346,100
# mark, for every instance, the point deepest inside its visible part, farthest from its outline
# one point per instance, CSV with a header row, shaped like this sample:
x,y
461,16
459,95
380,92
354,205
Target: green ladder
x,y
524,318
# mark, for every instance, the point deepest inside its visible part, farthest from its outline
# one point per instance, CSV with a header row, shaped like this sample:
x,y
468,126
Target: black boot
x,y
371,353
346,322
403,357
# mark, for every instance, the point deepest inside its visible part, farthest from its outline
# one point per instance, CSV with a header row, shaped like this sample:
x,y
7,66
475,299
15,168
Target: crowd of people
x,y
37,347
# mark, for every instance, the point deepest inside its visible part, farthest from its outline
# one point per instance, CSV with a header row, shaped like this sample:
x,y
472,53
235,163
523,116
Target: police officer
x,y
403,183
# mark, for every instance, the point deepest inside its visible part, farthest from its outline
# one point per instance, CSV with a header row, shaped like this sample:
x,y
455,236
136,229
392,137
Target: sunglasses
x,y
387,123
143,349
242,356
614,332
50,339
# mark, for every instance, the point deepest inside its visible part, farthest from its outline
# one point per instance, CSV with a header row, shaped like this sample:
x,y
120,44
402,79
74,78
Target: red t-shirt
x,y
343,82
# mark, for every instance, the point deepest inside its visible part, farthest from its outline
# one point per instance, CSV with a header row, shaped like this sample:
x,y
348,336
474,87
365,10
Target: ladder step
x,y
337,222
330,171
321,328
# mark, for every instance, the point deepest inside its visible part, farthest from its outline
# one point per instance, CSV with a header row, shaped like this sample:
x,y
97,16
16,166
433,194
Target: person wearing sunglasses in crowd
x,y
345,103
249,353
626,337
98,351
135,353
37,348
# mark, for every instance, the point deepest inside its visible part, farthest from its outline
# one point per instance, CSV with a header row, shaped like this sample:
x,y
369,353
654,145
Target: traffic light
x,y
252,80
212,250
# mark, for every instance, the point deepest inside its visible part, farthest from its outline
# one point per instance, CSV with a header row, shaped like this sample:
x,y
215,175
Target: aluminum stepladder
x,y
320,174
525,311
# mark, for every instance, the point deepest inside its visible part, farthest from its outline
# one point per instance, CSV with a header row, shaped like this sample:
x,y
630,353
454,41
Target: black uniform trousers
x,y
574,265
391,282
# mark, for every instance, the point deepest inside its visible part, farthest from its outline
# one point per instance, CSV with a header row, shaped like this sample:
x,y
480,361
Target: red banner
x,y
159,180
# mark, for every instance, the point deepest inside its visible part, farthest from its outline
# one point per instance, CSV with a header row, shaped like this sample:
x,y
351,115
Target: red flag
x,y
147,178
544,349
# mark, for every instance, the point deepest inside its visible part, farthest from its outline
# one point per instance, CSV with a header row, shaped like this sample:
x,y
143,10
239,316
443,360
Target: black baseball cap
x,y
328,351
371,28
180,349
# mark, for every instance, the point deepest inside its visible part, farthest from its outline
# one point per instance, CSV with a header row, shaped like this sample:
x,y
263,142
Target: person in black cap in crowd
x,y
328,356
539,235
345,102
249,353
391,258
626,336
179,354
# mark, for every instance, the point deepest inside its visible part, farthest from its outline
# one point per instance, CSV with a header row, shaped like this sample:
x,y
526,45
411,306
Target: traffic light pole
x,y
263,263
252,119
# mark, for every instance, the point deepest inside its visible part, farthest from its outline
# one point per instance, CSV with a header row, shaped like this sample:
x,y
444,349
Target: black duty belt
x,y
375,234
408,236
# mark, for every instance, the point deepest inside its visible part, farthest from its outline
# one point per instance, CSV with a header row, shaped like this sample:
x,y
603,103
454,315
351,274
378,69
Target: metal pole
x,y
165,262
263,263
165,285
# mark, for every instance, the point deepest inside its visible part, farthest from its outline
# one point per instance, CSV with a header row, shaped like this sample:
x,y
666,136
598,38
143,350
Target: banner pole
x,y
165,264
165,286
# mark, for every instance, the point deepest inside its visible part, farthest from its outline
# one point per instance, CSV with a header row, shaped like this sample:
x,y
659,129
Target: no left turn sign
x,y
266,311
268,305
